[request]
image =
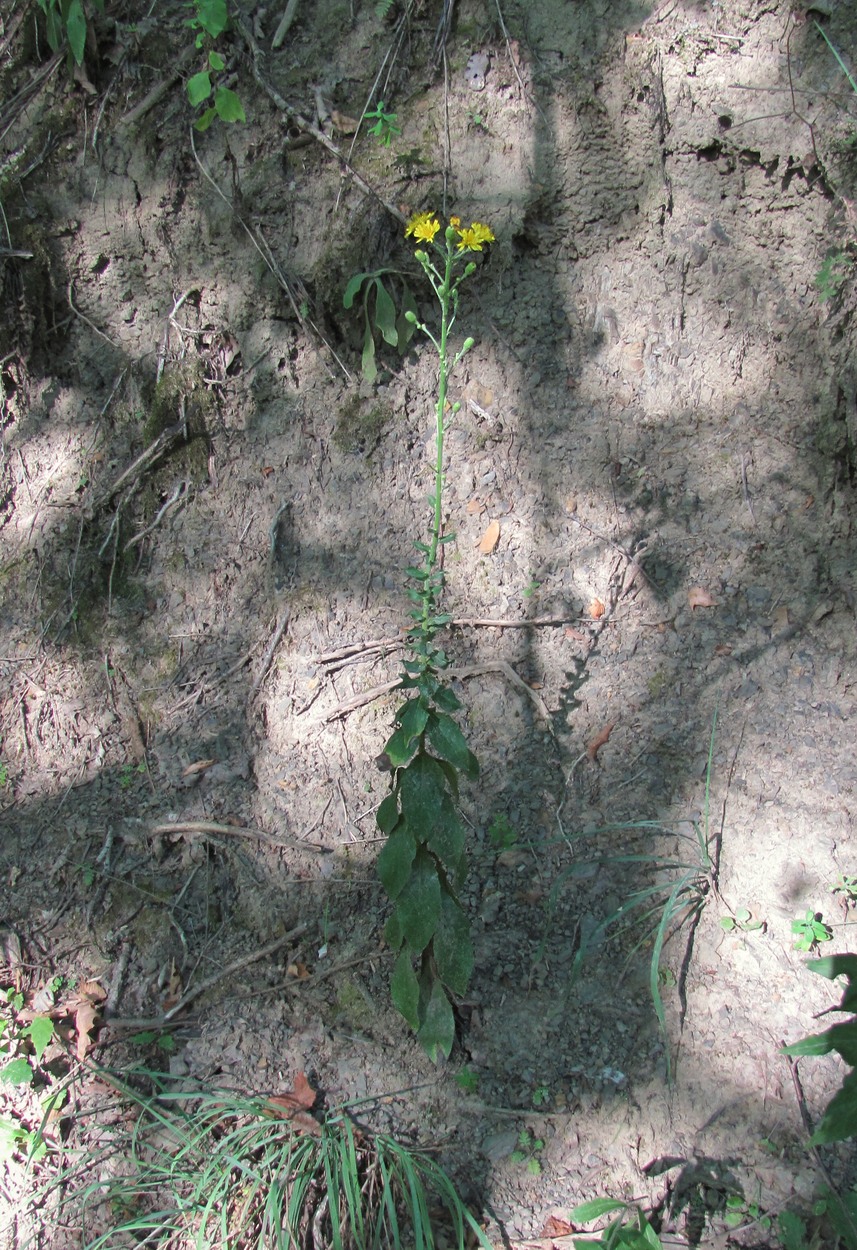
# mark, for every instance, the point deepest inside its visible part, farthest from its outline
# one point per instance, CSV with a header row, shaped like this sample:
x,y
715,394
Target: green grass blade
x,y
839,59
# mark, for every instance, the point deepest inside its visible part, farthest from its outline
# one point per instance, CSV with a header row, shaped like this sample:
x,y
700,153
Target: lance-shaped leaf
x,y
405,989
449,742
421,789
437,1032
418,904
446,840
453,950
396,859
387,816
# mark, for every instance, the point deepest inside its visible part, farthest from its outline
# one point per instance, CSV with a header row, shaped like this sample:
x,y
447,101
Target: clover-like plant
x,y
422,865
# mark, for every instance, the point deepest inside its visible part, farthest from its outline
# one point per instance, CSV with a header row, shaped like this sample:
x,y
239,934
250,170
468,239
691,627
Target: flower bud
x,y
469,269
410,317
466,345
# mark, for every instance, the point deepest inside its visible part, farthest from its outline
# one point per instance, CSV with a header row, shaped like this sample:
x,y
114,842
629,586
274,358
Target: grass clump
x,y
216,1170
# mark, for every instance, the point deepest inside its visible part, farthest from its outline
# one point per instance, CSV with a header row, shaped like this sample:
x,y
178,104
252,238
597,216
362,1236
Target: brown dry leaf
x,y
781,617
344,124
723,648
475,506
199,767
596,609
599,740
298,972
174,988
301,1097
555,1227
577,634
699,597
87,1014
490,538
512,858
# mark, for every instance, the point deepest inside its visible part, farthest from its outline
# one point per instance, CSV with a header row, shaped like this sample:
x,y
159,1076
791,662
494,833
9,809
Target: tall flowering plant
x,y
423,865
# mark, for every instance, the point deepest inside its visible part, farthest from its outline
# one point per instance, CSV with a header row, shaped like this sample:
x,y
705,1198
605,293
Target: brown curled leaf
x,y
599,740
490,538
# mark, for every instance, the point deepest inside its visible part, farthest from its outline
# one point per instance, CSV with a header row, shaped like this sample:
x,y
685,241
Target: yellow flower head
x,y
473,236
455,222
424,226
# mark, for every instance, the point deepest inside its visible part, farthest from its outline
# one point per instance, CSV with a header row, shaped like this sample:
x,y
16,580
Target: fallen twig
x,y
239,831
236,966
475,670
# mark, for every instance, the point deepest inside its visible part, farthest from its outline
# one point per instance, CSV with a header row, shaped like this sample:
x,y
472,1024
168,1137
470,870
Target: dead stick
x,y
269,654
237,966
460,622
307,128
237,831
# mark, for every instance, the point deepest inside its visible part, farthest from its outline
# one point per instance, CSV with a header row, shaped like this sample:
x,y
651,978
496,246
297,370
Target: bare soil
x,y
205,516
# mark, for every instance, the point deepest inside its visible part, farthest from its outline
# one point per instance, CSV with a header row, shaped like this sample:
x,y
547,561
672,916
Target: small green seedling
x,y
385,124
380,315
226,104
833,274
530,590
528,1150
630,1230
66,19
811,931
541,1096
128,772
502,833
846,888
840,1118
743,920
477,121
739,1211
21,1046
151,1037
467,1080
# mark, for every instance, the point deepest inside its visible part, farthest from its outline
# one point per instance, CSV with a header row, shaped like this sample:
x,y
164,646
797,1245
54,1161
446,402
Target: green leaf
x,y
216,61
385,314
438,1028
399,747
367,360
815,1044
353,287
446,840
387,816
212,16
452,947
229,107
840,1119
792,1231
421,788
75,25
202,123
446,699
41,1030
594,1210
393,935
199,87
405,989
449,742
418,904
833,966
840,1037
18,1072
412,717
395,860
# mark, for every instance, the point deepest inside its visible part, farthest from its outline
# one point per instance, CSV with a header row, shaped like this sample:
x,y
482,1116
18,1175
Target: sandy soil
x,y
205,514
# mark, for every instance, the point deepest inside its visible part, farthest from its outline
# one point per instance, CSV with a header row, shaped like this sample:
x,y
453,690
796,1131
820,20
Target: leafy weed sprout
x,y
655,911
211,1168
422,864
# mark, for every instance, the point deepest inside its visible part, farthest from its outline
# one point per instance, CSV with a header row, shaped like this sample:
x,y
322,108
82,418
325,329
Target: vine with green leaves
x,y
423,864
